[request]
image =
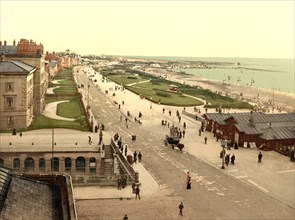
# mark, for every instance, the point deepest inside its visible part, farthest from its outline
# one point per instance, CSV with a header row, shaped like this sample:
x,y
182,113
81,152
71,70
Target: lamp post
x,y
52,150
223,143
88,95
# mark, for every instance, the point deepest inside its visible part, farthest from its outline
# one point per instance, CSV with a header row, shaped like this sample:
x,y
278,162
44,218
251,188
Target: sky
x,y
258,29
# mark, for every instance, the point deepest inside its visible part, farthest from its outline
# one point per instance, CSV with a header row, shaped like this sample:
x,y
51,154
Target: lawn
x,y
73,109
157,90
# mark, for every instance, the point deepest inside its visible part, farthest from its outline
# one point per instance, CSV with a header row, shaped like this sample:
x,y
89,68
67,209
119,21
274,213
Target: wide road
x,y
214,195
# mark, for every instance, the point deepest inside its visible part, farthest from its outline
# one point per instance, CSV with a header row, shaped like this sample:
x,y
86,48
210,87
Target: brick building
x,y
258,129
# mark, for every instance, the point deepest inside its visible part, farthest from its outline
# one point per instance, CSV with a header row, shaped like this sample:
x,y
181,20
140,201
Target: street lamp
x,y
223,143
88,95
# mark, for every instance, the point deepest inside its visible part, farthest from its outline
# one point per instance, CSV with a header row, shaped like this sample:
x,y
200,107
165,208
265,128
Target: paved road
x,y
214,195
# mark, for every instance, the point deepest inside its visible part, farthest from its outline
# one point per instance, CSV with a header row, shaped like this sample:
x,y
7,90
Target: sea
x,y
270,74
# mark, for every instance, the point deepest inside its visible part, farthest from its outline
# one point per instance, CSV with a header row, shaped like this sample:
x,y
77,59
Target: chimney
x,y
5,43
14,42
0,43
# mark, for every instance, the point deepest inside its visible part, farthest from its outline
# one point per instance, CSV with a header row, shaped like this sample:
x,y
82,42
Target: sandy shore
x,y
282,100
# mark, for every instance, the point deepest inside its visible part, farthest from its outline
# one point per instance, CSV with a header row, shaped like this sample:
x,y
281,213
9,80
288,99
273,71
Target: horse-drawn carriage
x,y
173,139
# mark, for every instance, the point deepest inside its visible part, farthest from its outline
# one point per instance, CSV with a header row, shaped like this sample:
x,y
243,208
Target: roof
x,y
9,49
15,67
272,133
243,118
30,198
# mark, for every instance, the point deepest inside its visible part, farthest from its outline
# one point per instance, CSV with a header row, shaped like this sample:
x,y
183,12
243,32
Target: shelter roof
x,y
278,133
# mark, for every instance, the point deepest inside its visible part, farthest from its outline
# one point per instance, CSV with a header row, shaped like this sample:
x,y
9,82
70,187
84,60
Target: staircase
x,y
107,163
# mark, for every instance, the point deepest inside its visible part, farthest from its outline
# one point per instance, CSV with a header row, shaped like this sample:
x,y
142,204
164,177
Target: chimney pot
x,y
14,42
5,43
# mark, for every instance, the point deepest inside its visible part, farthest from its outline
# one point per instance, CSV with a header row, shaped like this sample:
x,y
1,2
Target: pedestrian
x,y
121,117
184,125
137,190
227,159
181,207
205,139
125,150
232,159
169,112
188,181
139,156
179,119
200,131
89,140
125,217
183,133
100,137
119,185
126,120
135,155
20,134
259,157
163,110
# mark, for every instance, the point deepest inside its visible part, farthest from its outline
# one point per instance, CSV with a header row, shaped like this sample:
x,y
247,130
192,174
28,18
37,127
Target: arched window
x,y
68,164
42,165
16,163
92,165
55,164
80,165
1,162
29,164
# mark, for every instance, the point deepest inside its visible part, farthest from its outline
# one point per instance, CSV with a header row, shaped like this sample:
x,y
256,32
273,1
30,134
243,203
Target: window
x,y
10,120
9,87
9,102
16,163
29,164
42,165
80,165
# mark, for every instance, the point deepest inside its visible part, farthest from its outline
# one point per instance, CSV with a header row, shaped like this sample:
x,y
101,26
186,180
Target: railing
x,y
125,165
193,116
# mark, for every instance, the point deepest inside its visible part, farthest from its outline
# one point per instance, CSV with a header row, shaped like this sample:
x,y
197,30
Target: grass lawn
x,y
73,109
157,90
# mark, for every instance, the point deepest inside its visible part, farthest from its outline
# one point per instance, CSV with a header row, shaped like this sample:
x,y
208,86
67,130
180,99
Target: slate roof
x,y
281,133
8,49
15,67
259,117
30,199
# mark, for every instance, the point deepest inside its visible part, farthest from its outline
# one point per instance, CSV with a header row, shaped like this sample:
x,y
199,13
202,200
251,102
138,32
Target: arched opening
x,y
92,165
42,165
55,164
1,162
68,164
80,165
16,164
29,164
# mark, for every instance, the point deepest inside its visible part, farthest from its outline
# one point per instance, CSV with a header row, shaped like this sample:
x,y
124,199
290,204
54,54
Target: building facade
x,y
16,94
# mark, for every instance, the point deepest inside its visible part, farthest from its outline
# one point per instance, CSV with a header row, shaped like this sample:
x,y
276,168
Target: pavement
x,y
275,176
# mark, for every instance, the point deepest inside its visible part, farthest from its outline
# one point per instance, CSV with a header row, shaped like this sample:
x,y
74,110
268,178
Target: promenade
x,y
274,176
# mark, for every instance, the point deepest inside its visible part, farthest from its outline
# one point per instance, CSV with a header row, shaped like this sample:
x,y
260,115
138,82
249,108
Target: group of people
x,y
135,155
231,159
122,182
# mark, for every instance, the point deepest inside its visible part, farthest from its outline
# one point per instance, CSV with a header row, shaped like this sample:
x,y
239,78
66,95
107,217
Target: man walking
x,y
205,139
137,190
139,156
259,157
125,217
181,207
